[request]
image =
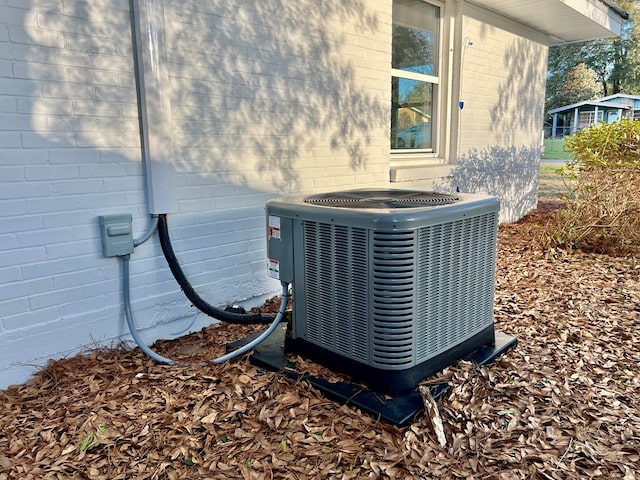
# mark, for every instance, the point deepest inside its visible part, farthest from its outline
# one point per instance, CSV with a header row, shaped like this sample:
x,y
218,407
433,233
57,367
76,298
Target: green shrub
x,y
602,213
605,145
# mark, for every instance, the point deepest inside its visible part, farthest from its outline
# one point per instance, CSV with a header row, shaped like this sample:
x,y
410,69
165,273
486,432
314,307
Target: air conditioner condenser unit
x,y
389,286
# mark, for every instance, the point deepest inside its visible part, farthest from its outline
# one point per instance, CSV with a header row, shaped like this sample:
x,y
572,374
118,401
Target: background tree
x,y
626,69
616,62
580,83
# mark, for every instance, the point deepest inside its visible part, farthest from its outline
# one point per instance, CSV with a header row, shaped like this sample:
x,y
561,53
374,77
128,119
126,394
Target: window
x,y
586,119
414,76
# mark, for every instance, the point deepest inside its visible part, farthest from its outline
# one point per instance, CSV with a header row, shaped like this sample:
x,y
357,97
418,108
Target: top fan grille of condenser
x,y
382,199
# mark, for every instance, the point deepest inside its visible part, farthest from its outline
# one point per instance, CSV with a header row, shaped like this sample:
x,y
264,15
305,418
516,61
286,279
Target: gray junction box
x,y
117,234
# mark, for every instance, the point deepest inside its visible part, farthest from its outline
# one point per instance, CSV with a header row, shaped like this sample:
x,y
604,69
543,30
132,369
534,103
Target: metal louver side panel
x,y
393,288
455,278
337,288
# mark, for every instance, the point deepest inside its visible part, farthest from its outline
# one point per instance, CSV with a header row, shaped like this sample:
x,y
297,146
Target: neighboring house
x,y
240,101
571,118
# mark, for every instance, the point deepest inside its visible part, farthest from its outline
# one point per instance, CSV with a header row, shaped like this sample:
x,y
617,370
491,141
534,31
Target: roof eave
x,y
563,21
573,106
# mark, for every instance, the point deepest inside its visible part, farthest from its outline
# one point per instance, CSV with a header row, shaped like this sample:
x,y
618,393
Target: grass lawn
x,y
553,149
552,183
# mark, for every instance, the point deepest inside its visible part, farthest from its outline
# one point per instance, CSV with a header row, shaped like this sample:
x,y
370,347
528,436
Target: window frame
x,y
437,154
591,117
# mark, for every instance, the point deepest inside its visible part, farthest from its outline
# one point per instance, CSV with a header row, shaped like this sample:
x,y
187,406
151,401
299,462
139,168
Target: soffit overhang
x,y
564,21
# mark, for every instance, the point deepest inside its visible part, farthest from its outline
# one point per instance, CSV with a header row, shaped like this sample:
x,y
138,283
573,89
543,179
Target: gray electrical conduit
x,y
127,312
231,355
153,226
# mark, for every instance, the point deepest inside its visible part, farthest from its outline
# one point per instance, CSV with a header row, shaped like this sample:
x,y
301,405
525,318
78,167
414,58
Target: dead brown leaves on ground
x,y
562,404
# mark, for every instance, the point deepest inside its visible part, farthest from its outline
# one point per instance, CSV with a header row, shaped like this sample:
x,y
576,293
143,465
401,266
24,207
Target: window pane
x,y
411,112
415,36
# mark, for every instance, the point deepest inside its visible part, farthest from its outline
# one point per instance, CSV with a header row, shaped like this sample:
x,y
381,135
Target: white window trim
x,y
420,77
408,165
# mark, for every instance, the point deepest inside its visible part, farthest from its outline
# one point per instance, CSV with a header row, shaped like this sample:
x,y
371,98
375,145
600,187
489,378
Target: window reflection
x,y
415,36
411,115
413,50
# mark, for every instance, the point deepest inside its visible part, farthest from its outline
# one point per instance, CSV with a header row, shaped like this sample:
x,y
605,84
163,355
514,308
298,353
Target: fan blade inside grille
x,y
388,199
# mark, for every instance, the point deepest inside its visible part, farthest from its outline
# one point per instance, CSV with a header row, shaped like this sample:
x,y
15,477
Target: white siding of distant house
x,y
266,98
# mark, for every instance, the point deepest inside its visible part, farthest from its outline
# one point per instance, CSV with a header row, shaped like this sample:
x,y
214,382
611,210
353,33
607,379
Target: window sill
x,y
408,173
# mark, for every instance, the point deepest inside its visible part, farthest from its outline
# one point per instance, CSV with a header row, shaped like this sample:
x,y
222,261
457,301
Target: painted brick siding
x,y
503,89
503,86
63,146
278,96
266,98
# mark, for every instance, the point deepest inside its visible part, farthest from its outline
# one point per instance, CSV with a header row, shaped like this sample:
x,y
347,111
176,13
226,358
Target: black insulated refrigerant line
x,y
192,295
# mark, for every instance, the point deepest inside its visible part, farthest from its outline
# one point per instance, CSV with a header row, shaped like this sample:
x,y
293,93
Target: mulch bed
x,y
562,404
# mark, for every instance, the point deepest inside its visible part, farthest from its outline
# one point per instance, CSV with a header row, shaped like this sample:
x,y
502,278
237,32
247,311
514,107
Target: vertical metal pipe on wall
x,y
152,81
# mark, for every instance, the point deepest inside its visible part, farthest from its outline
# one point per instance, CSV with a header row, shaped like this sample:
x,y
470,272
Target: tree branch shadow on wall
x,y
256,86
510,173
508,170
269,87
260,91
518,109
269,81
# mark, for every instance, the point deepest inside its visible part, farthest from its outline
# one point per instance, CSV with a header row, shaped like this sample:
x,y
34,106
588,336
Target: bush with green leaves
x,y
606,145
602,213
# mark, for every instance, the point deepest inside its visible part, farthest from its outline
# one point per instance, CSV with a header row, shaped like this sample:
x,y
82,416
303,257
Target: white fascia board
x,y
594,103
563,21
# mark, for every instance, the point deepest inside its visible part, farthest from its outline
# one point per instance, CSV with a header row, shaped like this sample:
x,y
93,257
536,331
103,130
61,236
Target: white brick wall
x,y
57,293
503,84
263,102
503,89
